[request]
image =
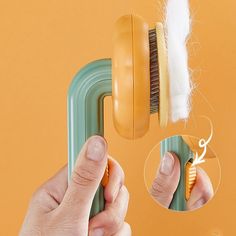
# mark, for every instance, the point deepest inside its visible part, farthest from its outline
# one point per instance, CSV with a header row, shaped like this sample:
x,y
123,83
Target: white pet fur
x,y
177,26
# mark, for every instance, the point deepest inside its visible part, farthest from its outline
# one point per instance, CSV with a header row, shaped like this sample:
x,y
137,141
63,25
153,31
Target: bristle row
x,y
154,72
191,173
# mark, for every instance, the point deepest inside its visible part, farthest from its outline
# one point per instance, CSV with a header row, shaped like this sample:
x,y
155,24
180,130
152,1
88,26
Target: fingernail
x,y
167,164
96,148
97,232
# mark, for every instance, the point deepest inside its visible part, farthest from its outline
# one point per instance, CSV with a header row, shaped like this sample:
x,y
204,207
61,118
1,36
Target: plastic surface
x,y
190,179
193,144
163,76
177,145
131,77
85,113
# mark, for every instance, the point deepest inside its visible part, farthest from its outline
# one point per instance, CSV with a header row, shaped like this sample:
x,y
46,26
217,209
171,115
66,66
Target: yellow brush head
x,y
140,82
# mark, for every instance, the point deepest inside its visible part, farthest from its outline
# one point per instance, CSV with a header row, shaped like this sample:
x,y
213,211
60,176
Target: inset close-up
x,y
182,173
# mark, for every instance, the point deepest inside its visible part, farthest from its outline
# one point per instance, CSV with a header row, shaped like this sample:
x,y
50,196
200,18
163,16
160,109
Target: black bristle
x,y
154,72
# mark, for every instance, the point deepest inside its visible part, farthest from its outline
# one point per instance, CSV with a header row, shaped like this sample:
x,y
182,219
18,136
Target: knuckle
x,y
33,230
71,198
118,178
128,228
157,187
83,176
207,194
125,193
40,194
41,198
116,221
122,174
160,189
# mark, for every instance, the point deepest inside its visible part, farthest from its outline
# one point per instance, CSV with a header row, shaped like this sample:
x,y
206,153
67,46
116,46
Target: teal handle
x,y
85,118
177,145
85,114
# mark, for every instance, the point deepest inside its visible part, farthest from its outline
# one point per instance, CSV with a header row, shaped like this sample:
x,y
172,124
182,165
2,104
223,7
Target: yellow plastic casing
x,y
190,171
131,77
190,179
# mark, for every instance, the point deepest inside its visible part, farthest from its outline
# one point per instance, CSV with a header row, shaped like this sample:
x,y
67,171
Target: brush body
x,y
85,114
137,81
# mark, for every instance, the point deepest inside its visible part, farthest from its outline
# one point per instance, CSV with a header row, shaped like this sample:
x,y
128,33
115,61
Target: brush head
x,y
131,77
154,72
139,76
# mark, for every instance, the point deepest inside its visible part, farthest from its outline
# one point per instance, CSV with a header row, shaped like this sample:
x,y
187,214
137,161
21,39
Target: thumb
x,y
166,180
86,177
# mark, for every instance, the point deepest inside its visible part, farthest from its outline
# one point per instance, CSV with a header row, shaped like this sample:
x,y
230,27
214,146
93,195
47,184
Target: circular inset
x,y
182,173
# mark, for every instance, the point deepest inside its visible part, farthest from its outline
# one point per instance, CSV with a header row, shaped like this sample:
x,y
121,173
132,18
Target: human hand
x,y
58,208
167,179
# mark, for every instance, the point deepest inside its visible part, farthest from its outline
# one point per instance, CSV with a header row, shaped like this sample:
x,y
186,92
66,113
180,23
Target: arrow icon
x,y
203,144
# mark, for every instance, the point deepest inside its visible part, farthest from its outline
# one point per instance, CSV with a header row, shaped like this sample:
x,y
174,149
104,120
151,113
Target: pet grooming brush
x,y
136,77
134,96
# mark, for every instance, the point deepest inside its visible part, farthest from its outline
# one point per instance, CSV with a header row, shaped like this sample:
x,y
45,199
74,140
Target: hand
x,y
63,210
167,179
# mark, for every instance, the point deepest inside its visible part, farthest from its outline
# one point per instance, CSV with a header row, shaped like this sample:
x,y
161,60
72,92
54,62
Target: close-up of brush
x,y
147,74
185,147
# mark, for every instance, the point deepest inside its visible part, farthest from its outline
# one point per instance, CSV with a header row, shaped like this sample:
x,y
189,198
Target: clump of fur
x,y
177,27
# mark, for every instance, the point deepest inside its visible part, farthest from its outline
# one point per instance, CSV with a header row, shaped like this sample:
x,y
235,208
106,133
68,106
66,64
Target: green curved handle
x,y
85,113
85,118
177,145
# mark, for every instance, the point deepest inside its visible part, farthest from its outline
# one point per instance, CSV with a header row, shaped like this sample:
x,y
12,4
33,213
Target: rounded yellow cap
x,y
131,77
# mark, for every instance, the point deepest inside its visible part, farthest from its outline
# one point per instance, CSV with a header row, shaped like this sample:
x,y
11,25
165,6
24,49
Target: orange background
x,y
42,46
